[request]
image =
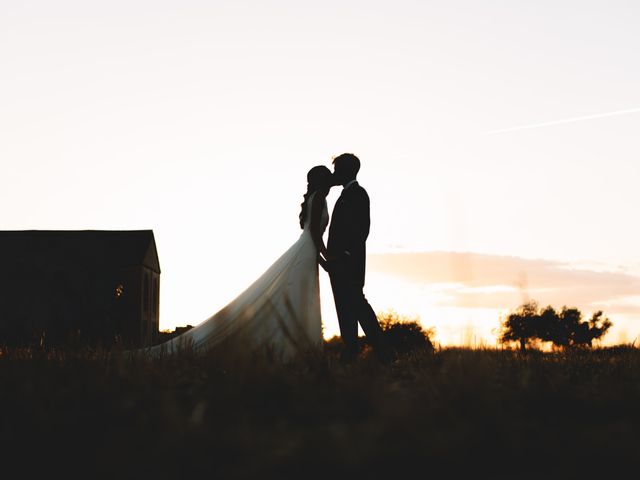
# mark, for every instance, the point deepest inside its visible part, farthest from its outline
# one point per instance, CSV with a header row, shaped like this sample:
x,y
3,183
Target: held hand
x,y
323,263
333,259
330,262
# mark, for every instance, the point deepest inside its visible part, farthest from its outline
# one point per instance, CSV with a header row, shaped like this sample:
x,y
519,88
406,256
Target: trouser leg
x,y
367,317
346,315
369,322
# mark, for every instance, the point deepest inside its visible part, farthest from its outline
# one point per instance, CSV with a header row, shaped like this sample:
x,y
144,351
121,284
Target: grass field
x,y
452,413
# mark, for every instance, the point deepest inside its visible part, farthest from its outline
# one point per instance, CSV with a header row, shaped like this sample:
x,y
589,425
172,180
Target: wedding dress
x,y
280,311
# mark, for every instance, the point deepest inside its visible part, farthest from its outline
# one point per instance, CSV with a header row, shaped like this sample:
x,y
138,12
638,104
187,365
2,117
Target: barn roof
x,y
79,248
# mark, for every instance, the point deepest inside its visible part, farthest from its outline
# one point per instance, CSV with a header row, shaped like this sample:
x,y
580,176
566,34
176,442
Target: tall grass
x,y
449,411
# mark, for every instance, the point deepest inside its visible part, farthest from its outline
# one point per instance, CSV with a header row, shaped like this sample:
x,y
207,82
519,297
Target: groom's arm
x,y
360,221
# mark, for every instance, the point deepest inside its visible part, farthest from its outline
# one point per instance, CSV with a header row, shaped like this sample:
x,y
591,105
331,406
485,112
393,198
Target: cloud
x,y
473,280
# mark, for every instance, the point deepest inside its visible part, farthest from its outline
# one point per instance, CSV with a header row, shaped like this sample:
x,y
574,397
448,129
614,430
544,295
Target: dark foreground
x,y
449,414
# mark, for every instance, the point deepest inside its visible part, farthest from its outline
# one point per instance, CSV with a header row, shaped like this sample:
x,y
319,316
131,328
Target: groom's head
x,y
345,168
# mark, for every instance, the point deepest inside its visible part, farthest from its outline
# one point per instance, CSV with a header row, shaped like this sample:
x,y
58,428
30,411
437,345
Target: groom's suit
x,y
346,245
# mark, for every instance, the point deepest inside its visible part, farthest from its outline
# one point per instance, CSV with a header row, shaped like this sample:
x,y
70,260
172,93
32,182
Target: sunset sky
x,y
499,143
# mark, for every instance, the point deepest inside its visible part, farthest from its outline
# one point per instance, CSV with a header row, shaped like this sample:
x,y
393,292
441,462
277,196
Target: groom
x,y
346,259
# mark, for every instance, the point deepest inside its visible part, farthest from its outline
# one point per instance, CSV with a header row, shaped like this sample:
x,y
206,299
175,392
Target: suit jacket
x,y
348,232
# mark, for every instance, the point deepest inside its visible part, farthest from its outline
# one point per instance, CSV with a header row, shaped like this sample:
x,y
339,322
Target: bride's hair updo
x,y
318,178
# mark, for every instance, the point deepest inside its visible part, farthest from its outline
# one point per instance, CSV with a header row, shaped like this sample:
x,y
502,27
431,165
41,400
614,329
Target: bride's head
x,y
319,179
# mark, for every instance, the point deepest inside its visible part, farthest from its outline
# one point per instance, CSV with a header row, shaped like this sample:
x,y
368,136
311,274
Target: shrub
x,y
404,334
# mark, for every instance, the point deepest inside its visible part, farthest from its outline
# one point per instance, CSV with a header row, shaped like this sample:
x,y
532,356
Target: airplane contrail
x,y
564,120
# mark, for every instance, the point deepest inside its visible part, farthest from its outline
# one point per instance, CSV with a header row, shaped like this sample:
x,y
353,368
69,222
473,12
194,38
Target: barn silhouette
x,y
89,287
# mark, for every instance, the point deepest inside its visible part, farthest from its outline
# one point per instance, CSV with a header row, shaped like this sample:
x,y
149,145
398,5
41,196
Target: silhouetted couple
x,y
280,311
345,258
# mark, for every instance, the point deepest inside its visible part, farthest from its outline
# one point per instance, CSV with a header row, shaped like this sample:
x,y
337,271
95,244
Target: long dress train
x,y
280,311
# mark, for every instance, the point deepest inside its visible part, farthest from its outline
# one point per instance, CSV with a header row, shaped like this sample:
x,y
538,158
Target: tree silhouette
x,y
521,326
597,326
565,329
569,320
547,324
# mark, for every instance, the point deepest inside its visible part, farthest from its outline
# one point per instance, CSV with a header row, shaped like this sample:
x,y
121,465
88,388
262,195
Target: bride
x,y
280,311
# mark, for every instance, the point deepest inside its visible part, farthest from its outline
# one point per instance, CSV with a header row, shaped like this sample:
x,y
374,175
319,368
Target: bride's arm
x,y
316,224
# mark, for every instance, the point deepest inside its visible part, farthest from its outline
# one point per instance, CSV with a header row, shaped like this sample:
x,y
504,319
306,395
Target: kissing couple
x,y
280,311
